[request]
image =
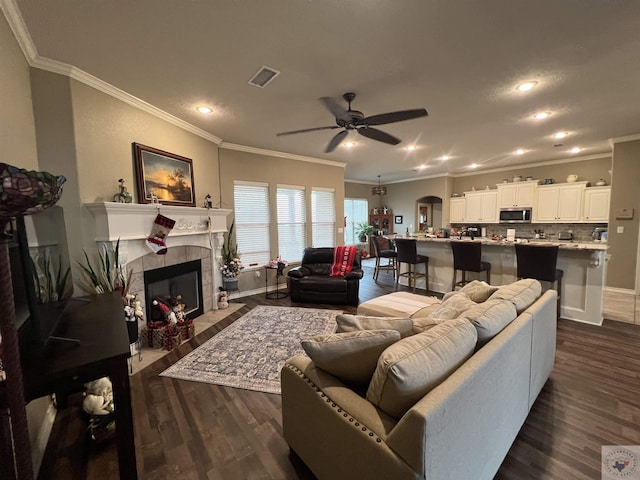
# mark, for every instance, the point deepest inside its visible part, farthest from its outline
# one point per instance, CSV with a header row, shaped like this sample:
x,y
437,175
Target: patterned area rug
x,y
251,351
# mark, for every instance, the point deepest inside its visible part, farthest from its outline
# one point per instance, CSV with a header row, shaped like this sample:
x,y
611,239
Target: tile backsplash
x,y
581,231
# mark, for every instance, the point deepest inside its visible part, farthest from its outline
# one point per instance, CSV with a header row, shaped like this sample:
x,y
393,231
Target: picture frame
x,y
397,219
163,177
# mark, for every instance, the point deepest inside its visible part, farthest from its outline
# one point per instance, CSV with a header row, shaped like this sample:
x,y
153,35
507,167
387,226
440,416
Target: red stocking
x,y
161,227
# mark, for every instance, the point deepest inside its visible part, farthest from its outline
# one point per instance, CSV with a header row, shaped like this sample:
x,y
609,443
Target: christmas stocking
x,y
161,228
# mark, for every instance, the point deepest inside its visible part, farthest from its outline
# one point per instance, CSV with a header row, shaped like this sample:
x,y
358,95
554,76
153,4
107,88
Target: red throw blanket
x,y
343,257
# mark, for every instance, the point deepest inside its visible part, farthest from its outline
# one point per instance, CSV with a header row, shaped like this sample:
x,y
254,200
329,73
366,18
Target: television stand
x,y
101,350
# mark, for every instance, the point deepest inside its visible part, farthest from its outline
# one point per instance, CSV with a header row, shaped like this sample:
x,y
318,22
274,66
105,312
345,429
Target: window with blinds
x,y
356,210
323,217
251,205
292,222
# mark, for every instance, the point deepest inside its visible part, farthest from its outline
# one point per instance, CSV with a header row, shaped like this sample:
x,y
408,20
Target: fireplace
x,y
184,279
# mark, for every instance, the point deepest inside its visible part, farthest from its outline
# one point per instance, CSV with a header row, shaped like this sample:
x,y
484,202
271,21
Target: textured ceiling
x,y
461,60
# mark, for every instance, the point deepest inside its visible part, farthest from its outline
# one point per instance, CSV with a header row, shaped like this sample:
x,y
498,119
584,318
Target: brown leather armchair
x,y
311,281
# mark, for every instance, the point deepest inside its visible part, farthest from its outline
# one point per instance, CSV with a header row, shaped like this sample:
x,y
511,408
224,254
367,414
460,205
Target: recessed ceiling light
x,y
560,134
473,165
411,148
541,115
526,86
519,151
444,158
575,150
350,144
204,109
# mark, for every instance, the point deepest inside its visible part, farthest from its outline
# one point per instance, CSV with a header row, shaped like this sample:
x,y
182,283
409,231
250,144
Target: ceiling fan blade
x,y
307,130
335,141
393,117
335,108
375,134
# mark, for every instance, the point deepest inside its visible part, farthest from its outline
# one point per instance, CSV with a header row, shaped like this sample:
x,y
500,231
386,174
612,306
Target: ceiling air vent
x,y
263,76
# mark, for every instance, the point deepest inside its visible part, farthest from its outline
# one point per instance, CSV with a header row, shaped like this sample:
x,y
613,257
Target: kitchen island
x,y
583,265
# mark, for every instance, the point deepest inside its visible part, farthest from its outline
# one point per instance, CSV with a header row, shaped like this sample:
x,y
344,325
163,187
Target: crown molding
x,y
273,153
23,37
627,138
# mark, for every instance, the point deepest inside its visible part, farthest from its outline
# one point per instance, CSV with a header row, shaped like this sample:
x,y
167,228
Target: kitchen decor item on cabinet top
x,y
601,183
572,178
529,178
549,181
517,178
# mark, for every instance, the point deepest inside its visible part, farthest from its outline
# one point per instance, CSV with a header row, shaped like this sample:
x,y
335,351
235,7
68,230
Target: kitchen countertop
x,y
565,245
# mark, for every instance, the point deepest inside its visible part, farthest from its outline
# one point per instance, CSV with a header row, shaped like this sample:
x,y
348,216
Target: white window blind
x,y
323,217
356,210
251,204
292,219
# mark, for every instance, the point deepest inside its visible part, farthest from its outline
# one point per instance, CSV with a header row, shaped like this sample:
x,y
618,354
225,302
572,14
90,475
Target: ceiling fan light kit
x,y
355,120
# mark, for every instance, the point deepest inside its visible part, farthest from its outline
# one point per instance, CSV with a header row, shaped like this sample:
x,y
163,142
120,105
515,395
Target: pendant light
x,y
379,190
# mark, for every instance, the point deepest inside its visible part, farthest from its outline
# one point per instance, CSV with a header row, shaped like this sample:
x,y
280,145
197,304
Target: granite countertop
x,y
565,245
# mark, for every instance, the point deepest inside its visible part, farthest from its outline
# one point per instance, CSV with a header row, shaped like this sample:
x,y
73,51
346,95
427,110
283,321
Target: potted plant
x,y
363,230
230,263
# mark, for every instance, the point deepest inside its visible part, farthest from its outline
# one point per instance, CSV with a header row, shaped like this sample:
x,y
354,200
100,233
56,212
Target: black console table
x,y
97,321
279,273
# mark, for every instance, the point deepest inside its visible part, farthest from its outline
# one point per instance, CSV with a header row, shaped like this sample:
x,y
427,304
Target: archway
x,y
429,213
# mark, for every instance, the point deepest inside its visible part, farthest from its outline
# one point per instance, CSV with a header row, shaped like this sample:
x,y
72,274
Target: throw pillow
x,y
426,311
521,293
410,368
343,257
423,324
475,290
353,323
350,356
452,307
490,318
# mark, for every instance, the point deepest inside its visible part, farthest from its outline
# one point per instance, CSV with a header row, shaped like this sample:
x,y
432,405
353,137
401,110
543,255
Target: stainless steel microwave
x,y
515,215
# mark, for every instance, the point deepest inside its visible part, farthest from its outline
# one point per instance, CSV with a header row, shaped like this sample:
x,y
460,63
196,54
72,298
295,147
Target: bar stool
x,y
467,258
539,262
384,249
408,253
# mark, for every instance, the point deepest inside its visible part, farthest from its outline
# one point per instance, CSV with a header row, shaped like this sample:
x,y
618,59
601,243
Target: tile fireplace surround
x,y
197,234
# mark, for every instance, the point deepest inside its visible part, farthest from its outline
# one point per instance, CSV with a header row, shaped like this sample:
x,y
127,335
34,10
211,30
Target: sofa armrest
x,y
356,273
299,272
336,432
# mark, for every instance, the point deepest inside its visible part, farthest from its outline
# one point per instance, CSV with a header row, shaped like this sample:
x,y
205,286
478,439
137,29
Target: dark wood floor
x,y
190,430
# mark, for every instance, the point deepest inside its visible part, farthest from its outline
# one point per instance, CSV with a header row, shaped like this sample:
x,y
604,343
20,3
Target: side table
x,y
279,273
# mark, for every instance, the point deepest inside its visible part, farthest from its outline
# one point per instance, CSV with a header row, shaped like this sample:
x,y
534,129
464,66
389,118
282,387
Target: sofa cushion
x,y
350,356
353,323
411,367
521,293
490,318
426,311
475,290
453,306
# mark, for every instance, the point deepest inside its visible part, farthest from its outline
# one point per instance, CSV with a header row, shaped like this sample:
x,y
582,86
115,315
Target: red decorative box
x,y
152,335
171,338
185,329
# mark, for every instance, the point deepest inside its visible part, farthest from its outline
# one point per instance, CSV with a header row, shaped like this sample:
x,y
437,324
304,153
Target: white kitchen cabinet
x,y
516,194
481,207
596,204
456,210
559,203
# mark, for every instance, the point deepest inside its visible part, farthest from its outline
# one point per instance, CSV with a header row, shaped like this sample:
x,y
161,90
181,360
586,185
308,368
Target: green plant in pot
x,y
364,230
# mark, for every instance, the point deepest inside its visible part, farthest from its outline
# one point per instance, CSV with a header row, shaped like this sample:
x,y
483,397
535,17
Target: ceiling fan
x,y
354,120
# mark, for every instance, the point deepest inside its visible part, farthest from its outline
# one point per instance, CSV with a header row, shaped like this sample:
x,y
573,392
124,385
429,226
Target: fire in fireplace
x,y
184,279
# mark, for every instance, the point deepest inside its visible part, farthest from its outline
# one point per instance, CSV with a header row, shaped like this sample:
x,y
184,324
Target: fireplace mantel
x,y
131,223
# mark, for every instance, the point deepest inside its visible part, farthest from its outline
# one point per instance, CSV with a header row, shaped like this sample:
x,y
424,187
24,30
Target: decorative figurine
x,y
123,196
207,201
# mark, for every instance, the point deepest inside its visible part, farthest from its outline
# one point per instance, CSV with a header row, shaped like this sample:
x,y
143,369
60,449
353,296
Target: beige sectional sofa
x,y
446,398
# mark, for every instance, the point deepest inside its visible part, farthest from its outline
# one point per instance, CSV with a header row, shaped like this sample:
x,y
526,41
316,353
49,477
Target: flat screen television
x,y
35,321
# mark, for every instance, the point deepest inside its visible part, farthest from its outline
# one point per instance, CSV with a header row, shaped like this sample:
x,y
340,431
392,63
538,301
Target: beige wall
x,y
252,167
17,130
623,247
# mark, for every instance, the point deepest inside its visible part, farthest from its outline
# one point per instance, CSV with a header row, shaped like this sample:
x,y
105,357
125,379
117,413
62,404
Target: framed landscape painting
x,y
166,176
